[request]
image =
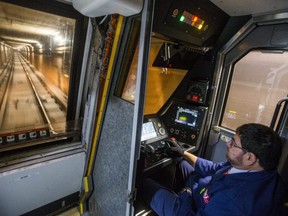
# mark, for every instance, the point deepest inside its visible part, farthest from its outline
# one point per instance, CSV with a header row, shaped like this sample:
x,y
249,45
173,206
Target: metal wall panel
x,y
27,188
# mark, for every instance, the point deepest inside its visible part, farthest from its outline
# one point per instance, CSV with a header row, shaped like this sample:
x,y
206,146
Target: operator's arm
x,y
190,158
202,166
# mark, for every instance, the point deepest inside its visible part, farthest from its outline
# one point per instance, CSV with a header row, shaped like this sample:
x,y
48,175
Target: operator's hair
x,y
263,142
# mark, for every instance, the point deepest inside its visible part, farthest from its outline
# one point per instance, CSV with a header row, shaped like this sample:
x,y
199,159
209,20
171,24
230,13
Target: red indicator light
x,y
195,97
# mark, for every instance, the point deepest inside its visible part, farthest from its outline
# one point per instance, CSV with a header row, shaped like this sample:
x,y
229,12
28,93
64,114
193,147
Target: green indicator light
x,y
183,118
182,18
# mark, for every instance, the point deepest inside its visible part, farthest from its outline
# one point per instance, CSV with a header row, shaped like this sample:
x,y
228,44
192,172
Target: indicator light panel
x,y
192,20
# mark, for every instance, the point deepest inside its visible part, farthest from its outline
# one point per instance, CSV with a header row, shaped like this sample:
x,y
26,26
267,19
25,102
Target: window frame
x,y
73,118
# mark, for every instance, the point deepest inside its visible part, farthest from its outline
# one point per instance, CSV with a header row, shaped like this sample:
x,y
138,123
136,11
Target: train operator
x,y
246,184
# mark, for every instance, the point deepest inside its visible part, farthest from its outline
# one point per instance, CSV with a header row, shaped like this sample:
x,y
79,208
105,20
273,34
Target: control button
x,y
162,131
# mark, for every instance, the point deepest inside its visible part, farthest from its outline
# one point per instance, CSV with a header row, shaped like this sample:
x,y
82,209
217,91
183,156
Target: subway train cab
x,y
92,92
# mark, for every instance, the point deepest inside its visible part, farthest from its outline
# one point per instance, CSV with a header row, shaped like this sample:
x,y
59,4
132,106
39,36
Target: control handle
x,y
173,148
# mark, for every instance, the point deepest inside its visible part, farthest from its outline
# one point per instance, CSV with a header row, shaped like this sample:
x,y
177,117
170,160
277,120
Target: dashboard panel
x,y
181,121
184,122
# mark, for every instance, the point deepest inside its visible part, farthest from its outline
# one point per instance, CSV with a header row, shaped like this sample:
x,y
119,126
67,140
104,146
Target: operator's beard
x,y
236,161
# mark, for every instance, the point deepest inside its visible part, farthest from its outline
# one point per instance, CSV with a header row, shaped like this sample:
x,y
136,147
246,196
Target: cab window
x,y
258,82
40,69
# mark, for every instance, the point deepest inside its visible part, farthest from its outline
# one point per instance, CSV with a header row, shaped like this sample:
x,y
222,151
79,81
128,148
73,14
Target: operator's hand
x,y
177,148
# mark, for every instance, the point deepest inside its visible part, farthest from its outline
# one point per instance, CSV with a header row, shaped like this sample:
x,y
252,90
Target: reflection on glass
x,y
161,82
35,63
259,81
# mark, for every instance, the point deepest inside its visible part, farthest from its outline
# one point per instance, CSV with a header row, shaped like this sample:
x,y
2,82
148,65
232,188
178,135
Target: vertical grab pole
x,y
276,112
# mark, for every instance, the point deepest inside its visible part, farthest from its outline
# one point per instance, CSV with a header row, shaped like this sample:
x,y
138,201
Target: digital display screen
x,y
148,131
186,116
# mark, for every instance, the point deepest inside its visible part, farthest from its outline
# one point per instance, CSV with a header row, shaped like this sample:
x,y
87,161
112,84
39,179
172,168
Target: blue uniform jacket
x,y
245,194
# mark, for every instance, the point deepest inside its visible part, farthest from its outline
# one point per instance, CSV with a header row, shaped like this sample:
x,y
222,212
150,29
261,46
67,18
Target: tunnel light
x,y
55,33
39,45
59,39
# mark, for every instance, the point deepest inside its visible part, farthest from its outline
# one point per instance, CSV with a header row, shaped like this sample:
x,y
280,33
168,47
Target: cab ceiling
x,y
253,7
244,7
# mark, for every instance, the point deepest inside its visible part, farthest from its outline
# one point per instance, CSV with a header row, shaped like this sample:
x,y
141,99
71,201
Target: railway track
x,y
28,103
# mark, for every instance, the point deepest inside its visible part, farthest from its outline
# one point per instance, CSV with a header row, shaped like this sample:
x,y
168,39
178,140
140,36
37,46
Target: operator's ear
x,y
250,158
